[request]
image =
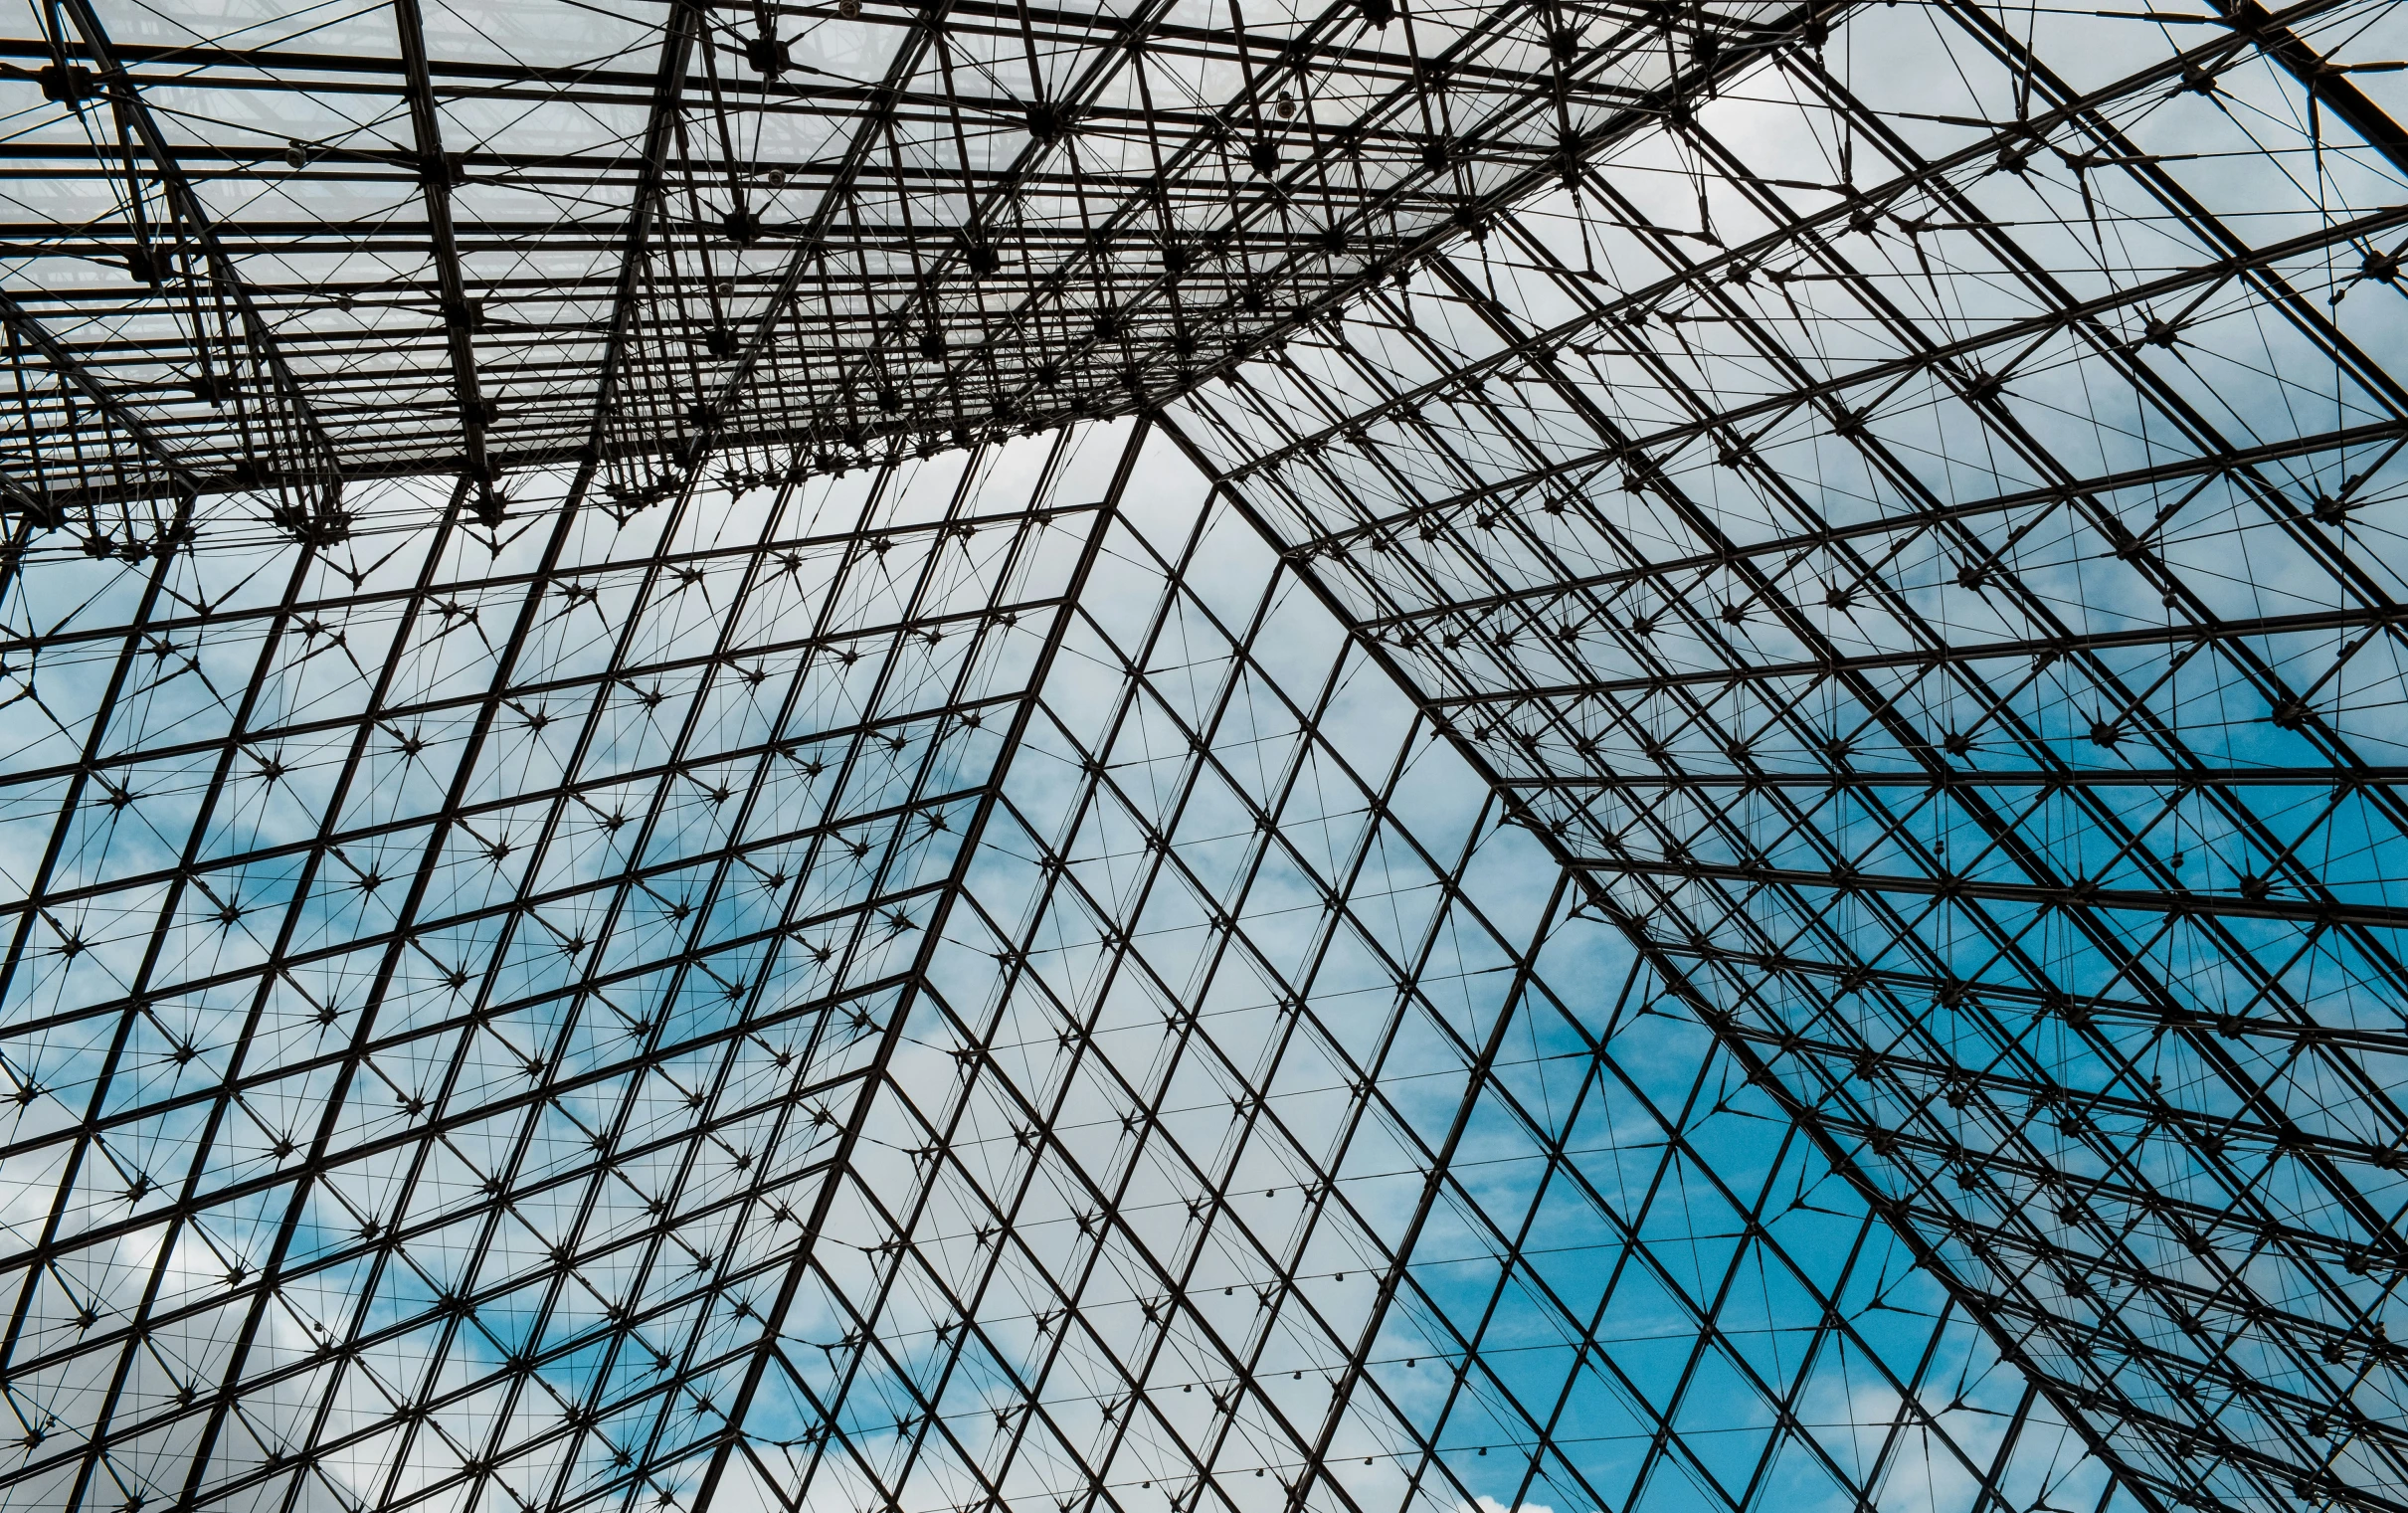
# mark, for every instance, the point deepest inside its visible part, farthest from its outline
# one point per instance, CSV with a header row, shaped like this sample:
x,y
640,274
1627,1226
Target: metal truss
x,y
1564,758
1920,546
483,238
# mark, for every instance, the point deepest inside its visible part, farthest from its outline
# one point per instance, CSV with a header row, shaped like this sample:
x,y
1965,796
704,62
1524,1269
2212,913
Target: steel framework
x,y
1574,756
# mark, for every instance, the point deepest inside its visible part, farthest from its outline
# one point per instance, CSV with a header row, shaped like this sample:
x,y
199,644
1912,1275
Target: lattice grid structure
x,y
934,758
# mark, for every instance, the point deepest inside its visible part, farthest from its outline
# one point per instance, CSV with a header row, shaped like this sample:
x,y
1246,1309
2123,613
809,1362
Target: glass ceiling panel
x,y
457,970
612,1026
1919,541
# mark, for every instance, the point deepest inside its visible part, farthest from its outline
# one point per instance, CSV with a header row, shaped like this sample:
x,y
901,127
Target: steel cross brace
x,y
72,369
317,514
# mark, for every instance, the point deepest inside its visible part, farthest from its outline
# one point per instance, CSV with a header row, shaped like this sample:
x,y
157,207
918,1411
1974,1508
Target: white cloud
x,y
1491,1505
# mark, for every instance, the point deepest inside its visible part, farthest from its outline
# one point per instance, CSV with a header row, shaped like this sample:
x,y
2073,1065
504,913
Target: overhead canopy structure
x,y
1559,757
489,237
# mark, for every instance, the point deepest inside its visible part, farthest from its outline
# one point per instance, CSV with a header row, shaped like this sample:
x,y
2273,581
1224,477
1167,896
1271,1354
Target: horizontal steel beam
x,y
2085,899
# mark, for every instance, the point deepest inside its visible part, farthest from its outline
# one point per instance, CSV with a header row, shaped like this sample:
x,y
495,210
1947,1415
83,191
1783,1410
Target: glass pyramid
x,y
875,758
